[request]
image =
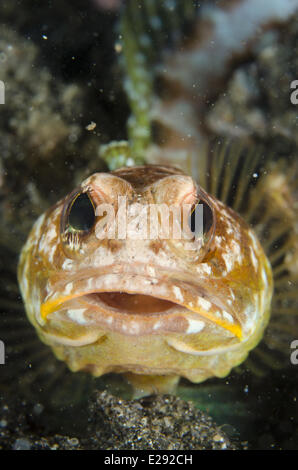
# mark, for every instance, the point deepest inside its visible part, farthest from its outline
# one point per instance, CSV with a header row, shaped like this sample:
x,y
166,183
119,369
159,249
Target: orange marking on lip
x,y
235,329
50,306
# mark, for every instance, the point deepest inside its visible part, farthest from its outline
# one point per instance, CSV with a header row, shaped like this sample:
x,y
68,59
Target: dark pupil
x,y
81,215
207,218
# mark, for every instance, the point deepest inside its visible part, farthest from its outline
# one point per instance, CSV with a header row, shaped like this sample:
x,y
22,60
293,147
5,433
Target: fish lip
x,y
169,321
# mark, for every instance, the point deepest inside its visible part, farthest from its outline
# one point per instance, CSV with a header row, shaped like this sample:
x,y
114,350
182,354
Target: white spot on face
x,y
228,316
151,271
91,283
250,318
254,259
228,261
52,253
254,240
178,293
194,326
157,325
205,304
52,233
56,213
218,240
134,328
204,268
236,251
38,225
264,277
77,315
25,284
68,288
26,276
67,264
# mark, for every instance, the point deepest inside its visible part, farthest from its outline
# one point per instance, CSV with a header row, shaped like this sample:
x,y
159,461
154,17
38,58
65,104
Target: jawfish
x,y
157,308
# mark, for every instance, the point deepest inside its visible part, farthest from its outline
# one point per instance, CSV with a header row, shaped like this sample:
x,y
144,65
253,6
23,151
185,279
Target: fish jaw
x,y
181,340
136,305
155,299
197,350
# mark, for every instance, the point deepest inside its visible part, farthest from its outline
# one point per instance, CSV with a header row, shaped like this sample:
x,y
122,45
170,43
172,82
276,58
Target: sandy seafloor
x,y
60,65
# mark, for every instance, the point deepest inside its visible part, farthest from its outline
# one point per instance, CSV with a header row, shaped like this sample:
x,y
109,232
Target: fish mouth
x,y
138,304
133,303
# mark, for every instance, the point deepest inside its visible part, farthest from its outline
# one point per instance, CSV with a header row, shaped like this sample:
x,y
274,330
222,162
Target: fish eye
x,y
81,214
197,218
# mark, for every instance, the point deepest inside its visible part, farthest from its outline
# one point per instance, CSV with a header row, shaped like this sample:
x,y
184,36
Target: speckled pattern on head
x,y
150,308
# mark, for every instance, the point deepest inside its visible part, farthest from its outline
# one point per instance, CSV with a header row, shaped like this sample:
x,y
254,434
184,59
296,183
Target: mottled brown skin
x,y
194,313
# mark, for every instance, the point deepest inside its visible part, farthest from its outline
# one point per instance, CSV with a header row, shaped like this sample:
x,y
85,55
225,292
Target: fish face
x,y
141,271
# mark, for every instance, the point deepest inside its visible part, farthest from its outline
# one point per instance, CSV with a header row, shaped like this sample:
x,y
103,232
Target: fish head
x,y
140,270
